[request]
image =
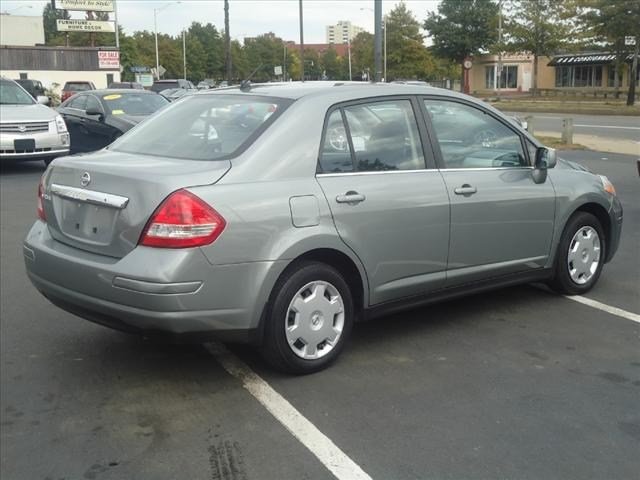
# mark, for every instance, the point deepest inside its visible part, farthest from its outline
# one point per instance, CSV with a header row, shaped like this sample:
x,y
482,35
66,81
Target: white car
x,y
29,130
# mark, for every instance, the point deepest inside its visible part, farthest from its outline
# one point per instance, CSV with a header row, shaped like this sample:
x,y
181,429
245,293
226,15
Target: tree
x,y
462,28
407,57
609,22
265,49
331,64
49,21
362,55
536,26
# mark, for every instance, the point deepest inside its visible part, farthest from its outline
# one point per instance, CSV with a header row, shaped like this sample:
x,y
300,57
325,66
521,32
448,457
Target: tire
x,y
47,161
310,304
578,274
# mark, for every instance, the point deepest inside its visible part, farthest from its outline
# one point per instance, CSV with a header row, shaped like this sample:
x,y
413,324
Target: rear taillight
x,y
41,215
182,220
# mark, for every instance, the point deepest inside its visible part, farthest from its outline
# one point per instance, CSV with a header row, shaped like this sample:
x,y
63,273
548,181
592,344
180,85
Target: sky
x,y
248,18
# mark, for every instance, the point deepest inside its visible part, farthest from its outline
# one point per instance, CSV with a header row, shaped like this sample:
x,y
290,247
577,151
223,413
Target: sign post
x,y
633,75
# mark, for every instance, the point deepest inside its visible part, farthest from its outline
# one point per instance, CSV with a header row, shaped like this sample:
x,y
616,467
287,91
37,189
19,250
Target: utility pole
x,y
349,50
377,41
385,49
301,44
155,30
631,97
499,72
227,42
284,62
184,53
115,19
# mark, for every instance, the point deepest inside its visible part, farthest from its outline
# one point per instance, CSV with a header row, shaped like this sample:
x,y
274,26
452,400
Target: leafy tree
x,y
462,28
407,57
536,26
331,64
49,17
266,49
362,61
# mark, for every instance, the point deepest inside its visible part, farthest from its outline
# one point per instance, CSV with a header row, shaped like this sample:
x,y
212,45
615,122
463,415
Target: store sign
x,y
92,5
85,26
108,59
144,79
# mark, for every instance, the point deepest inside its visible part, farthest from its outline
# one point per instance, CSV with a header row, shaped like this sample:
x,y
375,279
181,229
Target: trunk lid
x,y
101,202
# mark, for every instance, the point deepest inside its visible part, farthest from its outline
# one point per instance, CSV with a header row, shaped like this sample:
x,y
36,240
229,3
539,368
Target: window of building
x,y
611,75
579,76
23,76
508,78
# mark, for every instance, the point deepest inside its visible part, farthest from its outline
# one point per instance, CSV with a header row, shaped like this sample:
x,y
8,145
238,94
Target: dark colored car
x,y
132,85
71,88
96,118
34,87
160,85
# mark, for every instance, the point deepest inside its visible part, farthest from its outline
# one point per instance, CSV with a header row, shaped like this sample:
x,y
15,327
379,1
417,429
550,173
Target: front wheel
x,y
309,319
580,255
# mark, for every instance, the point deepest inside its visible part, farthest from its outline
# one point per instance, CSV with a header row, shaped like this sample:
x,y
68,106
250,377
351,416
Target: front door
x,y
501,220
388,207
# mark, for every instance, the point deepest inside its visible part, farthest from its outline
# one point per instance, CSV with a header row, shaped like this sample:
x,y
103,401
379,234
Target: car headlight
x,y
607,185
60,125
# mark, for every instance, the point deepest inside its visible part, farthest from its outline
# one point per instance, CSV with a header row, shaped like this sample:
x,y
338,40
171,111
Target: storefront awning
x,y
585,59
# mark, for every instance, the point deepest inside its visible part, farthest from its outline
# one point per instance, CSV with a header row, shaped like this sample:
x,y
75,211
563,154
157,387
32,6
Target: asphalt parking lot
x,y
515,384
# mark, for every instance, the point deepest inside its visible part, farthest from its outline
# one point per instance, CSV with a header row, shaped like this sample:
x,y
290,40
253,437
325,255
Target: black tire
x,y
562,281
275,347
47,161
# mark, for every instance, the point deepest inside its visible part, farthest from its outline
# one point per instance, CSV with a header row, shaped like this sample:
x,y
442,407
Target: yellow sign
x,y
113,96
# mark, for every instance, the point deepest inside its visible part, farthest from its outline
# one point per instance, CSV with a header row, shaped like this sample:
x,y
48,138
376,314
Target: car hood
x,y
568,164
26,113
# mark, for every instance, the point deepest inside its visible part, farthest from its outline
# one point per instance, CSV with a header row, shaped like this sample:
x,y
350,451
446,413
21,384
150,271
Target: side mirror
x,y
42,100
95,112
545,159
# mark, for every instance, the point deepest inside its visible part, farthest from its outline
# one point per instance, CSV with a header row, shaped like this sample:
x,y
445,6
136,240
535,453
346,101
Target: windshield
x,y
77,87
12,94
140,104
203,127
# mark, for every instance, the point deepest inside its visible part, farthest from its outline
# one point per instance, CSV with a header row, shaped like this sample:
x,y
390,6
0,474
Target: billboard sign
x,y
85,26
91,5
109,59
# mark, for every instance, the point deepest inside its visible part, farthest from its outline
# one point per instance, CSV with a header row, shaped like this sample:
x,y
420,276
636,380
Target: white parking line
x,y
607,126
634,317
334,459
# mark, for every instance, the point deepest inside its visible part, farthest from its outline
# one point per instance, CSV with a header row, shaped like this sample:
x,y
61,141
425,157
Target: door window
x,y
93,104
470,138
381,136
78,102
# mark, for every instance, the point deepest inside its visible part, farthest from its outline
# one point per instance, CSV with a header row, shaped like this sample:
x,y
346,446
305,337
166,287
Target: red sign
x,y
109,59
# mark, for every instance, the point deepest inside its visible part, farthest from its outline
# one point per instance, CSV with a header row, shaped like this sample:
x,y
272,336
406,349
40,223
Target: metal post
x,y
349,50
385,49
301,44
567,131
115,19
499,72
155,29
377,41
227,42
184,53
284,63
631,97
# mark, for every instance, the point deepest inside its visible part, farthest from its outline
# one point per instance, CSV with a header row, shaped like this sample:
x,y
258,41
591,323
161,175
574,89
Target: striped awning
x,y
585,59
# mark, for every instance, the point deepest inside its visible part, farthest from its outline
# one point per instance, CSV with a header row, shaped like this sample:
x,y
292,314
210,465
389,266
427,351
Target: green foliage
x,y
462,28
362,60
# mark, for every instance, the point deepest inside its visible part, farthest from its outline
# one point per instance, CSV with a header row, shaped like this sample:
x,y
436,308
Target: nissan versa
x,y
280,214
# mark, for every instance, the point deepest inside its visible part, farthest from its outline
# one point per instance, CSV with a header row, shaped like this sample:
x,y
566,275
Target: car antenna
x,y
245,85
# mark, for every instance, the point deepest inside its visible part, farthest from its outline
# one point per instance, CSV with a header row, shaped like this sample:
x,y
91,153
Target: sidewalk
x,y
600,144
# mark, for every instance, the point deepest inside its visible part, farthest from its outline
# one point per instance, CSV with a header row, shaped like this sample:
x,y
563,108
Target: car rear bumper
x,y
152,290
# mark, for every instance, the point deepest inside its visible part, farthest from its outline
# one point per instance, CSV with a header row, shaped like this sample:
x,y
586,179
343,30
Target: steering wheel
x,y
487,138
337,137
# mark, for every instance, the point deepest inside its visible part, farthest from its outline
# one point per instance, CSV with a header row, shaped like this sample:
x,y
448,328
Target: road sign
x,y
161,71
144,79
92,5
85,26
277,70
139,69
629,40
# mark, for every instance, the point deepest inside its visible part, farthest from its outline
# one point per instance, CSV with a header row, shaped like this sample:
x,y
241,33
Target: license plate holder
x,y
24,145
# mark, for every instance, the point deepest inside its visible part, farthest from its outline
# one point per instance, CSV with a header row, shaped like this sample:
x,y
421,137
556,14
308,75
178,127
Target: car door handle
x,y
465,189
350,197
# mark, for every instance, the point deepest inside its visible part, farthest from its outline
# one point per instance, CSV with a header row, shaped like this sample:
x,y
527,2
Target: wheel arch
x,y
603,217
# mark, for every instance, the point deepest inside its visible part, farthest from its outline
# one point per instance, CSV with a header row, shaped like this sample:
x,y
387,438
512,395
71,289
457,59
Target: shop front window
x,y
581,76
508,76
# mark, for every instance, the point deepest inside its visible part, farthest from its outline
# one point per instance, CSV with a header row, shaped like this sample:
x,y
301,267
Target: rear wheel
x,y
580,255
309,319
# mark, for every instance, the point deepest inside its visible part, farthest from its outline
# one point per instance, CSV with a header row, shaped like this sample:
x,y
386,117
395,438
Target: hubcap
x,y
315,319
584,255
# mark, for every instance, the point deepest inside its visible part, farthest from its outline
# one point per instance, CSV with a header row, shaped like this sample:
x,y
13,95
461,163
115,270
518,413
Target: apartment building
x,y
342,32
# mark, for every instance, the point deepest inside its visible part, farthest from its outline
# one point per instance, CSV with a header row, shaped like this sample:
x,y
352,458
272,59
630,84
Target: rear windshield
x,y
159,86
140,104
203,127
77,87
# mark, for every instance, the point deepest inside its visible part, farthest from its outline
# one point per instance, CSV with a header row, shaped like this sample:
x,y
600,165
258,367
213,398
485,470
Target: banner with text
x,y
108,59
85,26
92,5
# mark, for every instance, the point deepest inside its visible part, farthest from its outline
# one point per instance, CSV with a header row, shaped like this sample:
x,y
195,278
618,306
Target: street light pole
x,y
155,30
301,44
184,53
385,49
115,19
499,72
349,50
377,40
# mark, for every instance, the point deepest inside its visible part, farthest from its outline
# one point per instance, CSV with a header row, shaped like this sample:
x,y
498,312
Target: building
x,y
23,55
342,32
567,72
21,30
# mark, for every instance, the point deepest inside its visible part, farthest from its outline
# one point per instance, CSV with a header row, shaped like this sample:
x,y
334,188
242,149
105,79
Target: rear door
x,y
501,220
389,204
99,133
72,113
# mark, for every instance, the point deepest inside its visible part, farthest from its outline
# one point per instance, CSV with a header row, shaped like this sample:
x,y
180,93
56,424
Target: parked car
x,y
173,94
33,87
97,117
29,130
160,85
284,232
412,82
203,86
132,85
70,88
